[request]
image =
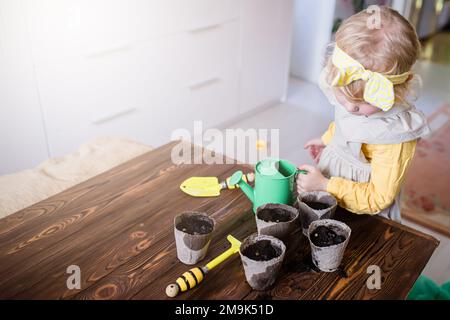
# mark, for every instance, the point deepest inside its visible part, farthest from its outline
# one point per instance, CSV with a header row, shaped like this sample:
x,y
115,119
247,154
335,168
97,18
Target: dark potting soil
x,y
274,215
317,205
195,225
261,251
324,237
301,264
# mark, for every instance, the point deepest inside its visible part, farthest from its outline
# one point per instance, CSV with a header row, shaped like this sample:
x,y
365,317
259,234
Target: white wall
x,y
402,6
313,22
22,136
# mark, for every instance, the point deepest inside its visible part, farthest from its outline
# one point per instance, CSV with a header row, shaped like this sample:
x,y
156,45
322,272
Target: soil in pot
x,y
195,225
277,220
262,250
317,205
262,257
193,231
274,215
324,236
328,240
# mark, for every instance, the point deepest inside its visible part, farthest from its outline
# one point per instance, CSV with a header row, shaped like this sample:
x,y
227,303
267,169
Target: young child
x,y
363,157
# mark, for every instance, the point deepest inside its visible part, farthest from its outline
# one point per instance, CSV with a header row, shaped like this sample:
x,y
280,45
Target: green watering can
x,y
274,183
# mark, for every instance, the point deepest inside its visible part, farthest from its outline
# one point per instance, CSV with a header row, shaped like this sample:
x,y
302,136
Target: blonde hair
x,y
391,50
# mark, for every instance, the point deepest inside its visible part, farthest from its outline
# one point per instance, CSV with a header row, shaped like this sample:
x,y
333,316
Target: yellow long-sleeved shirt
x,y
389,164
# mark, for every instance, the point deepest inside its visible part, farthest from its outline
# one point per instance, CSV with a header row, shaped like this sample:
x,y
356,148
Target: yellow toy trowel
x,y
209,186
193,277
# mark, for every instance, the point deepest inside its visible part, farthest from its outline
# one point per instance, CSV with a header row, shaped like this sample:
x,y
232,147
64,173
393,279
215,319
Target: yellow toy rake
x,y
194,276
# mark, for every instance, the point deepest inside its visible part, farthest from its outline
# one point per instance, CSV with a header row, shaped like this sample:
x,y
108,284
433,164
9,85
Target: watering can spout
x,y
248,191
236,179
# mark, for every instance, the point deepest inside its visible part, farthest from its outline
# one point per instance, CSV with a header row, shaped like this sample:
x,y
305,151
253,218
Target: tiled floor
x,y
306,114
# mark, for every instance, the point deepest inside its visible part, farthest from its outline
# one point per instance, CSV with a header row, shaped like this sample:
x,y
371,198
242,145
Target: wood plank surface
x,y
118,228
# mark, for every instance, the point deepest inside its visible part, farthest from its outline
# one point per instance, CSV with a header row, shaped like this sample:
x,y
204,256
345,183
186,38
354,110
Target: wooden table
x,y
118,228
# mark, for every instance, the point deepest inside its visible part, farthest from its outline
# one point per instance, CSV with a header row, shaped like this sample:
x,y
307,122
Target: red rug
x,y
426,195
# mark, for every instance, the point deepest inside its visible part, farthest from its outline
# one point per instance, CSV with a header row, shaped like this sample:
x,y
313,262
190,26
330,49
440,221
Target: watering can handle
x,y
300,172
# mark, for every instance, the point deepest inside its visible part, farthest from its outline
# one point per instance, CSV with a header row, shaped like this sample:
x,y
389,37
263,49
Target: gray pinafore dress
x,y
343,156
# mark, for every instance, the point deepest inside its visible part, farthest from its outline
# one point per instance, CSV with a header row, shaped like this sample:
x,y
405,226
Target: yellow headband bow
x,y
379,90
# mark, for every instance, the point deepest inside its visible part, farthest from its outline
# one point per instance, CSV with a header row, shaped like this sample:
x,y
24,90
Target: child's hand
x,y
313,181
315,148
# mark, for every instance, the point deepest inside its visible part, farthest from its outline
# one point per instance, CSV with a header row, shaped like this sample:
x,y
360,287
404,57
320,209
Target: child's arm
x,y
389,165
328,135
317,145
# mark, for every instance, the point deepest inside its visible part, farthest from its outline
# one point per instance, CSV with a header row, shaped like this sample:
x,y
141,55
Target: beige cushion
x,y
22,189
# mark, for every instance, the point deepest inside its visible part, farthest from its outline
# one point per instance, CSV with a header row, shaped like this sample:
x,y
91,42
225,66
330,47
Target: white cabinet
x,y
212,102
60,29
145,91
207,85
138,69
22,135
266,38
81,97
